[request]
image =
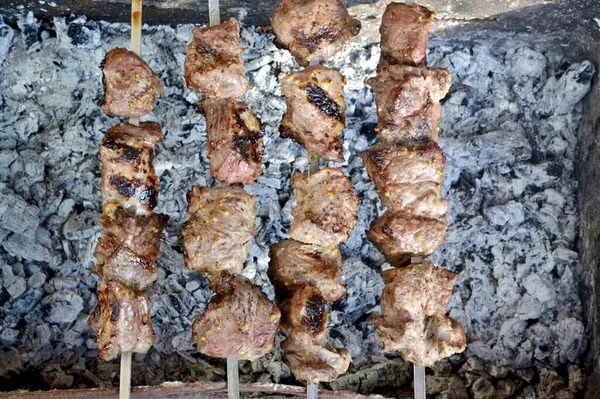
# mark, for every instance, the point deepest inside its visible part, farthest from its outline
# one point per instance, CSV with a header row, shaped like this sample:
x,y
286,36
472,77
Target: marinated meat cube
x,y
408,102
305,311
313,28
294,265
213,65
400,235
235,143
131,87
218,236
239,322
311,361
316,111
413,321
121,320
128,247
326,210
404,34
408,178
128,176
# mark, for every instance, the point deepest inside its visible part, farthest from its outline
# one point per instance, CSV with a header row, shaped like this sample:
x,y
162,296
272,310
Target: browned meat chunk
x,y
305,311
414,321
131,87
213,65
128,247
294,265
399,235
313,28
404,34
235,144
313,362
128,176
408,102
239,322
326,210
408,178
122,321
316,111
218,236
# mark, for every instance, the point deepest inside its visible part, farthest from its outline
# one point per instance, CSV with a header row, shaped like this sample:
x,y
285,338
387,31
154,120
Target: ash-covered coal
x,y
509,131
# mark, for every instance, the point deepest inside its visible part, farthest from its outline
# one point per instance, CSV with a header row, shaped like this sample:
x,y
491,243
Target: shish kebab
x,y
240,322
130,241
407,169
306,268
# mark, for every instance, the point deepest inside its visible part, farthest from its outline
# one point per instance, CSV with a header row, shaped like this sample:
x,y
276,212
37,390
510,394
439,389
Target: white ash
x,y
509,131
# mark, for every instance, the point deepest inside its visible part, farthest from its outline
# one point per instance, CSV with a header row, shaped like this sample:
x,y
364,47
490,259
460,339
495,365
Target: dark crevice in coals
x,y
326,105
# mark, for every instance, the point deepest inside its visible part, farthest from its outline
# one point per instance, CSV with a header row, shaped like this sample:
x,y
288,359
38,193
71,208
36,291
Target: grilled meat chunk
x,y
404,34
413,321
311,361
131,87
128,247
326,210
316,111
294,265
408,102
408,178
235,143
128,176
305,311
313,28
399,235
122,321
218,236
239,322
213,65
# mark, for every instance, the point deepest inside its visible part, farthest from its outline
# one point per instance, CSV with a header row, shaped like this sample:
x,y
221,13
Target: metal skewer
x,y
419,384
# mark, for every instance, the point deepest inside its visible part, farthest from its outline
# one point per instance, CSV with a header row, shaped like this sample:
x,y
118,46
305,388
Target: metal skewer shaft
x,y
136,37
233,379
419,383
312,390
125,376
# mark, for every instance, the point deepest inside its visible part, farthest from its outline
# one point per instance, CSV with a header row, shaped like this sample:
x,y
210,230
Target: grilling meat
x,y
218,236
408,102
316,110
213,65
408,178
305,311
326,210
122,321
413,321
131,87
404,34
400,235
294,265
240,322
313,28
235,143
128,247
128,176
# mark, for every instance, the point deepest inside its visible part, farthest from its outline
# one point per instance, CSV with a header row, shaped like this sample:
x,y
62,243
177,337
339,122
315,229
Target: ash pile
x,y
509,131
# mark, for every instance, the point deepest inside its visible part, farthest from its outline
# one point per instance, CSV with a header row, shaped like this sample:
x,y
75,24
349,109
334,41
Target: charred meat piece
x,y
240,322
311,361
128,247
408,102
408,178
316,110
404,34
121,320
400,235
131,87
413,321
326,210
213,65
305,311
235,143
128,176
294,265
218,236
313,28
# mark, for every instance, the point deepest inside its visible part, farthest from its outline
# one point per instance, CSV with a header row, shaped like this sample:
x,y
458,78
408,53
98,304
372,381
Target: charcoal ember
x,y
9,336
81,225
6,36
10,361
62,307
17,287
29,27
56,377
17,215
16,310
447,387
26,248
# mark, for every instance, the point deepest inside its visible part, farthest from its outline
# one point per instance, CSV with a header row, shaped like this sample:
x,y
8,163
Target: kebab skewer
x,y
240,322
130,242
